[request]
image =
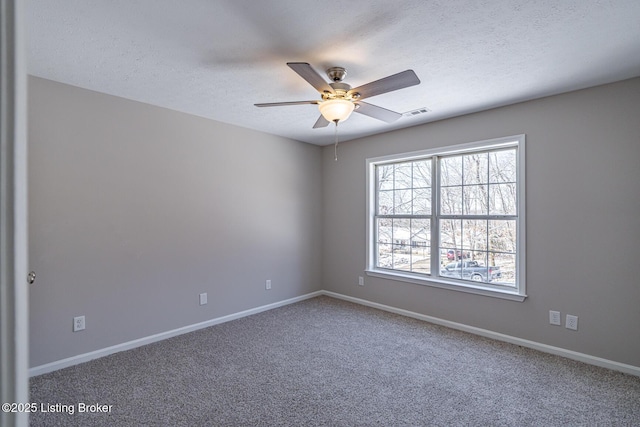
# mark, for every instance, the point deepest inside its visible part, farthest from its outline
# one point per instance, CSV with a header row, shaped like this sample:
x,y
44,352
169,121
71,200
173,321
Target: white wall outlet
x,y
361,281
78,323
554,318
203,298
267,285
571,322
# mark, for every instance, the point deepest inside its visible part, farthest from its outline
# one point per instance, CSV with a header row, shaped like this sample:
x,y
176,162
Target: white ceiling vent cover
x,y
417,112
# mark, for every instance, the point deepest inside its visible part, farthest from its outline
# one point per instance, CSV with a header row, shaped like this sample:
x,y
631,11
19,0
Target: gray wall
x,y
583,232
135,210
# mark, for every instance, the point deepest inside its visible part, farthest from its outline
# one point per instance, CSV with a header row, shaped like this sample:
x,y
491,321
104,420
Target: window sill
x,y
507,294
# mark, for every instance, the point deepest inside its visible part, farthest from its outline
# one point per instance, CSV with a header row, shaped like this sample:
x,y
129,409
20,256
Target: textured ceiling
x,y
216,58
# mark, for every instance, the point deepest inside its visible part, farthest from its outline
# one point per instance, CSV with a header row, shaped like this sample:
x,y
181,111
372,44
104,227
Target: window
x,y
450,218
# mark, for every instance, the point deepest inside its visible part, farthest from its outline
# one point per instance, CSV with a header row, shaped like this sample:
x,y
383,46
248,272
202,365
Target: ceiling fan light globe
x,y
336,109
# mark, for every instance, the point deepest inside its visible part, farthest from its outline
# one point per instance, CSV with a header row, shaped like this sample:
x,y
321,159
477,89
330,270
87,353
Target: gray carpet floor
x,y
327,362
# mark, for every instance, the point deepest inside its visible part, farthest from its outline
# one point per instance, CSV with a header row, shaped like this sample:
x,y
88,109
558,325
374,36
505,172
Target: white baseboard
x,y
81,358
574,355
592,360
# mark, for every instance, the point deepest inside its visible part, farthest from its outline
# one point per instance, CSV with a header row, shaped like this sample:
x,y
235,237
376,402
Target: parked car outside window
x,y
471,270
451,254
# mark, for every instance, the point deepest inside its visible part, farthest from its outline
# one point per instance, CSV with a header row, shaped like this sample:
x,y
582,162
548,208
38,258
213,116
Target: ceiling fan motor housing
x,y
336,74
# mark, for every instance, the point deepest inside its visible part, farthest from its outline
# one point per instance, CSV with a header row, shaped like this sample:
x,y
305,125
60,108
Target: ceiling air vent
x,y
417,112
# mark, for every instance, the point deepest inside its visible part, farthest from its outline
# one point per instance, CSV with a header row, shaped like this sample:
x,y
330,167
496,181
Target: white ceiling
x,y
216,58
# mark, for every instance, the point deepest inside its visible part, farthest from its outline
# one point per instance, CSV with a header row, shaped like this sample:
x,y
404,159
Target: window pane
x,y
502,166
401,232
502,199
502,236
479,273
385,177
449,255
475,200
402,202
421,260
449,265
402,176
474,236
450,233
384,230
420,246
506,274
384,256
420,232
422,201
481,258
476,168
422,174
401,244
451,171
385,202
476,269
451,201
401,259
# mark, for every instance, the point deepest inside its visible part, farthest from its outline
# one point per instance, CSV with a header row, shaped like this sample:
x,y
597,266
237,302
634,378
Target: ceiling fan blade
x,y
388,84
377,112
321,122
280,104
309,74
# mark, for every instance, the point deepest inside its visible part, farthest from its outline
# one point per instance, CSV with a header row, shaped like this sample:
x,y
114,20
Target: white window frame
x,y
517,293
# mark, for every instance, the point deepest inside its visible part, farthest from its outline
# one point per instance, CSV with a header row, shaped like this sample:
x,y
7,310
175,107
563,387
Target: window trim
x,y
516,294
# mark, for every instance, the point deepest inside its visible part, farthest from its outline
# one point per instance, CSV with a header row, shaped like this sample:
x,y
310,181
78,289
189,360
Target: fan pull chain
x,y
335,147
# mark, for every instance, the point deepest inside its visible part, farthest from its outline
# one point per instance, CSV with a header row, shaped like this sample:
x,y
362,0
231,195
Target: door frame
x,y
14,306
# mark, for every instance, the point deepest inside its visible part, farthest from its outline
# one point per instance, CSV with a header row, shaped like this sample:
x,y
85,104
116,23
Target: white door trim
x,y
14,351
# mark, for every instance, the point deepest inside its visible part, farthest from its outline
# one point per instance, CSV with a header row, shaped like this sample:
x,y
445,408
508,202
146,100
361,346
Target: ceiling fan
x,y
339,100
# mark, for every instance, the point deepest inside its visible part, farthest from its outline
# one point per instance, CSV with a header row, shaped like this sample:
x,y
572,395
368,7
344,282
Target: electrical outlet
x,y
203,298
554,318
361,281
267,285
571,322
78,323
